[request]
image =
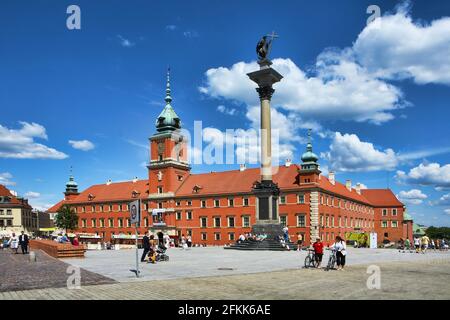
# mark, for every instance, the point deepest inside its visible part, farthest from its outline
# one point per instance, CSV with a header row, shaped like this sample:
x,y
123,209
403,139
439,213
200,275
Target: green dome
x,y
168,119
407,217
309,156
71,182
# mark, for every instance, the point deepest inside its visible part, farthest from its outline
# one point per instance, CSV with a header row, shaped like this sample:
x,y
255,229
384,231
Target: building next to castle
x,y
215,208
16,214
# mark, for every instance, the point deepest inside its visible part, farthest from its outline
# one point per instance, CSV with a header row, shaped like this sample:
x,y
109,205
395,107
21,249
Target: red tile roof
x,y
117,191
234,181
5,192
381,197
342,190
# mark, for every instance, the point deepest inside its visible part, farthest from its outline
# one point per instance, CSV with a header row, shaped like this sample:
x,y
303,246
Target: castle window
x,y
203,203
231,222
160,157
216,203
283,220
160,189
217,222
120,222
93,223
384,224
301,221
246,202
204,236
282,199
394,224
203,222
188,215
245,221
231,202
111,222
385,212
178,215
394,212
83,223
217,236
301,198
231,236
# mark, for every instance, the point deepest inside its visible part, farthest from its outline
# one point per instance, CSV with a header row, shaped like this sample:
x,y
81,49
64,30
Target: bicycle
x,y
331,260
310,260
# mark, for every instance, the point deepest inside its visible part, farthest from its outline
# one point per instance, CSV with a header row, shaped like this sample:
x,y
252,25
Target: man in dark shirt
x,y
146,245
23,242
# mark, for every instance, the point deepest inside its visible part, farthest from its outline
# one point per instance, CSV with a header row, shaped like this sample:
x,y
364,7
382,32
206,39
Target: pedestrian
x,y
23,242
424,241
166,240
286,233
407,244
145,245
14,243
152,250
299,241
183,242
189,241
417,244
75,241
318,251
341,251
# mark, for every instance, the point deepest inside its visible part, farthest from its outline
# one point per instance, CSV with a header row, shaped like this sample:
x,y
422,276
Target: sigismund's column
x,y
265,190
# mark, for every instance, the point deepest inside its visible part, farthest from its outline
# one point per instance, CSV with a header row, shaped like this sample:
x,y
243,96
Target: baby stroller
x,y
161,253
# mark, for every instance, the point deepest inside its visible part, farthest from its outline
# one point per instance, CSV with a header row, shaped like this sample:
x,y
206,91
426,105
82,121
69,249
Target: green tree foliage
x,y
438,232
66,218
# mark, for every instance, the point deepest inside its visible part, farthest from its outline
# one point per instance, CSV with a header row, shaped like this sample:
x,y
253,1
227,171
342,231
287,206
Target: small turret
x,y
71,187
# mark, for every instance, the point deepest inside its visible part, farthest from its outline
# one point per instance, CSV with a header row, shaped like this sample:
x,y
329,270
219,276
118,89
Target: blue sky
x,y
376,96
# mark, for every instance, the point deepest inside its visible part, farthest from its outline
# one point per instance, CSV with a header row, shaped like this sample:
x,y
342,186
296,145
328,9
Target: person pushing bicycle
x,y
318,251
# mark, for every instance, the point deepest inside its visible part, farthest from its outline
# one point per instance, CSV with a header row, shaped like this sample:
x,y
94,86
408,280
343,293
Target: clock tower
x,y
168,165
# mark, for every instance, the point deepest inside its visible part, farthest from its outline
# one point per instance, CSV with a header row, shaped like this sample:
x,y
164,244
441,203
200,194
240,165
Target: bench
x,y
58,250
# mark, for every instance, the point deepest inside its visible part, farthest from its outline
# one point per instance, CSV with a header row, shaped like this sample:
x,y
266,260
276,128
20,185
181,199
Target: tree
x,y
438,232
66,218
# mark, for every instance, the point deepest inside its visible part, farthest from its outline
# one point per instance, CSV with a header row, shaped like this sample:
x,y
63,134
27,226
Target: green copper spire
x,y
71,185
168,98
168,120
309,155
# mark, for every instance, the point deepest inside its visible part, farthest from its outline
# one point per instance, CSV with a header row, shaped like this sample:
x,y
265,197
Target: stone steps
x,y
270,245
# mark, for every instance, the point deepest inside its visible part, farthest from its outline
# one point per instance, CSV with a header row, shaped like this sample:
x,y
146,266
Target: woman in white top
x,y
14,243
341,251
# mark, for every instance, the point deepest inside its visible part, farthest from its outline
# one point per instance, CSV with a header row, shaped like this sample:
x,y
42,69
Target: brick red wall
x,y
393,233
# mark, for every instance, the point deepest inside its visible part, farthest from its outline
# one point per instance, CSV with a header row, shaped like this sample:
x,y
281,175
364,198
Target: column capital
x,y
265,92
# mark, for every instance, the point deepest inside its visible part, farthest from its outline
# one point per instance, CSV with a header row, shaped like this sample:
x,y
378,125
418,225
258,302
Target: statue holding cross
x,y
264,46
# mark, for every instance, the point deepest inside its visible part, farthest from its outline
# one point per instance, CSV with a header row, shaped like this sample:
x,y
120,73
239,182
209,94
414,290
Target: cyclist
x,y
341,251
318,251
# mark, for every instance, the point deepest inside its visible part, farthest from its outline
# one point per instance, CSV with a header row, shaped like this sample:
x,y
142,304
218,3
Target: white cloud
x,y
32,195
443,201
5,179
340,89
229,111
125,42
447,211
171,27
191,34
413,196
348,153
84,145
20,144
396,47
361,185
430,174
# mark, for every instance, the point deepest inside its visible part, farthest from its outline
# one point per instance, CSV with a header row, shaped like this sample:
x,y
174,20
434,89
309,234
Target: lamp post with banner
x,y
135,218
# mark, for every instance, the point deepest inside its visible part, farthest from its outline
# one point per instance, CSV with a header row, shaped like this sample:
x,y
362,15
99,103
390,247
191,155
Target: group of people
x,y
14,242
424,243
339,248
251,237
153,246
